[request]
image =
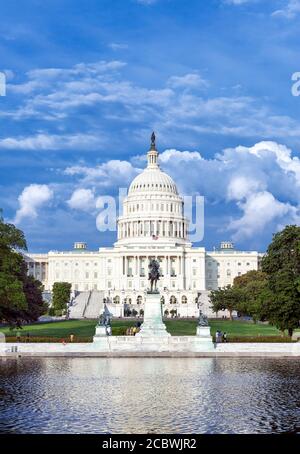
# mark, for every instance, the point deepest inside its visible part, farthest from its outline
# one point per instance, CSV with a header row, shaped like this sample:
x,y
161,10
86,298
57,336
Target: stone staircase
x,y
87,304
94,305
79,304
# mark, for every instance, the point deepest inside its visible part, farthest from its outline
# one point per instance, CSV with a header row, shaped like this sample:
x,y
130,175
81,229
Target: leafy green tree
x,y
33,289
251,286
20,295
226,298
282,266
12,296
61,292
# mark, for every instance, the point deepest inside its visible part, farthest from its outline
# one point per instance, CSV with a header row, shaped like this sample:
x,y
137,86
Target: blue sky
x,y
88,81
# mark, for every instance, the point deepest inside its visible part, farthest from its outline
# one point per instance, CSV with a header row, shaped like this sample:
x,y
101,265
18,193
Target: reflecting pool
x,y
144,395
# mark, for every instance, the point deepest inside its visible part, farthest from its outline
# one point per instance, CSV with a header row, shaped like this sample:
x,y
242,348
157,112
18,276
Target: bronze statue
x,y
105,317
154,274
202,320
153,138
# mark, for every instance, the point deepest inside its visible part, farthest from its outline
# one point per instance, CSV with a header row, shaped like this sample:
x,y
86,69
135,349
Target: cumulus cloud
x,y
82,199
110,174
32,198
261,209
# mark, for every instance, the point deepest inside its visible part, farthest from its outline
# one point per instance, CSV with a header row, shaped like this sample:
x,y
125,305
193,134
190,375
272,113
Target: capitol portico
x,y
152,225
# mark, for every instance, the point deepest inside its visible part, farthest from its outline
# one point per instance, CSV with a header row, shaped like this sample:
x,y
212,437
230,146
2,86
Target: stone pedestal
x,y
203,338
153,325
204,333
100,333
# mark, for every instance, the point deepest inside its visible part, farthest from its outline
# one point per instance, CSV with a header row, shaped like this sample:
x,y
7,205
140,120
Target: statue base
x,y
100,332
153,325
204,332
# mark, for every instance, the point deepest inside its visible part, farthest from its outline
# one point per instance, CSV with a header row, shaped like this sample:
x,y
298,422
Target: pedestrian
x,y
224,337
72,337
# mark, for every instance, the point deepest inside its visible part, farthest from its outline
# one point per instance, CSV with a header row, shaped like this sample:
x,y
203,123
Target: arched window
x,y
184,299
116,300
173,300
139,300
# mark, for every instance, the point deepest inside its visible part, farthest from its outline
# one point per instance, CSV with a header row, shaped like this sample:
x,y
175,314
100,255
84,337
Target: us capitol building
x,y
153,225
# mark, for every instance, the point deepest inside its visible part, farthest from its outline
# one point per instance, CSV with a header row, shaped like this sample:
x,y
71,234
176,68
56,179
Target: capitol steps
x,y
79,305
94,305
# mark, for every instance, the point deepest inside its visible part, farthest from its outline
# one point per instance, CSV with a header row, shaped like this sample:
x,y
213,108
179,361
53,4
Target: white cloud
x,y
110,174
82,199
118,46
170,154
60,94
289,11
45,141
241,186
191,80
259,210
32,198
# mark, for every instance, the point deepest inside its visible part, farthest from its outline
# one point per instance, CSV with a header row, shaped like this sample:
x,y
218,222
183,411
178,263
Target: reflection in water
x,y
143,395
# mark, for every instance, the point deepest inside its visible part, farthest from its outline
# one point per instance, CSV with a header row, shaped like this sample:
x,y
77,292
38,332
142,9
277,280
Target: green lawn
x,y
86,328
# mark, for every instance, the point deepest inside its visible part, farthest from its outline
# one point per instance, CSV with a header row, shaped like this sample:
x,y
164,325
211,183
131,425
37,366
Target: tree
x,y
251,286
20,295
12,296
226,298
282,266
61,292
33,289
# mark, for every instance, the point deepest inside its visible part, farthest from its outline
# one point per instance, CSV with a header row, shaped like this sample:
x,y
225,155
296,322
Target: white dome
x,y
153,179
153,210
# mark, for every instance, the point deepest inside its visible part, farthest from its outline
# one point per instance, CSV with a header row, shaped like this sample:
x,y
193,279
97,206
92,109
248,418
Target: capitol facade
x,y
153,225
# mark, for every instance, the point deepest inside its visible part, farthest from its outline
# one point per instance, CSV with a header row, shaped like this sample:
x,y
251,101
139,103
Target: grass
x,y
85,329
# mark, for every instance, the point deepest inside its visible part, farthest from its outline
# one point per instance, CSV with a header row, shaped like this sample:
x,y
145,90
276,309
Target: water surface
x,y
144,395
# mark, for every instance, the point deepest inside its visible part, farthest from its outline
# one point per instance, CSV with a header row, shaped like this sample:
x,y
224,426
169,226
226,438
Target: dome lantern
x,y
152,154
